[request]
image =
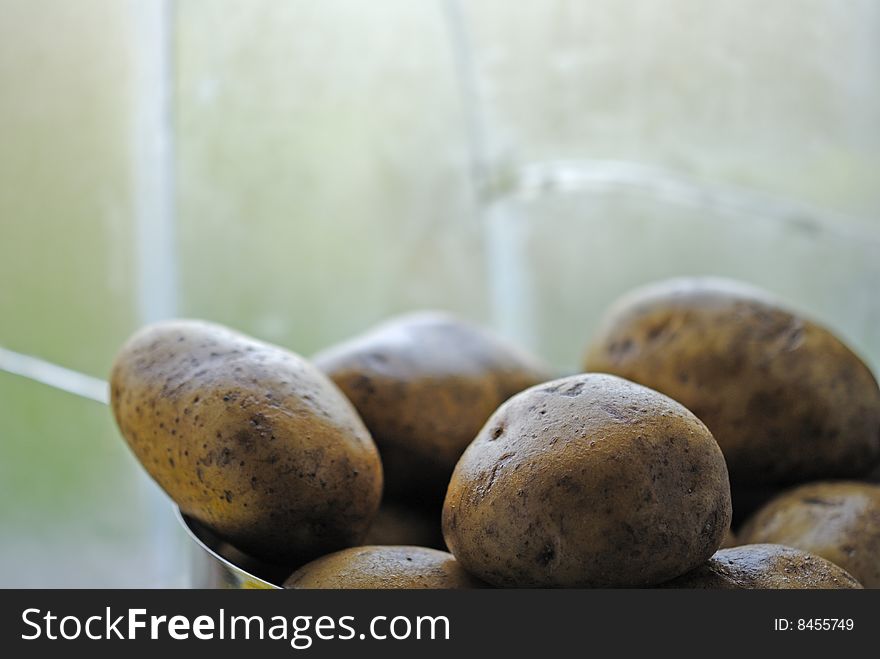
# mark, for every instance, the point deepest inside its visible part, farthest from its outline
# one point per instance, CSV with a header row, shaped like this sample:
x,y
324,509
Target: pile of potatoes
x,y
431,453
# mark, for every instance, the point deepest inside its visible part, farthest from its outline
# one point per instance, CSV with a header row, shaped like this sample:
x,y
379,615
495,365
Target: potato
x,y
786,400
248,439
587,481
839,521
397,523
383,568
729,539
424,384
765,566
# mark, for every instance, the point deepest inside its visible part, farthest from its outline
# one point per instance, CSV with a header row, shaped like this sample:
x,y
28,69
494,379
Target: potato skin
x,y
587,481
785,399
765,566
384,567
839,521
248,439
424,384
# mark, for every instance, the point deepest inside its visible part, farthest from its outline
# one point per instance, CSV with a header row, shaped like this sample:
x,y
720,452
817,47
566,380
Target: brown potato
x,y
765,566
424,384
384,567
839,521
786,400
729,540
248,439
587,481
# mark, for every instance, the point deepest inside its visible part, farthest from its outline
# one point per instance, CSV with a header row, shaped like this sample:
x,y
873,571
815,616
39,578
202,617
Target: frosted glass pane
x,y
65,207
75,510
322,167
776,96
577,252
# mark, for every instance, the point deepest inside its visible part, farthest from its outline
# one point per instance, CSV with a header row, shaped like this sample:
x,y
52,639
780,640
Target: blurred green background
x,y
336,162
